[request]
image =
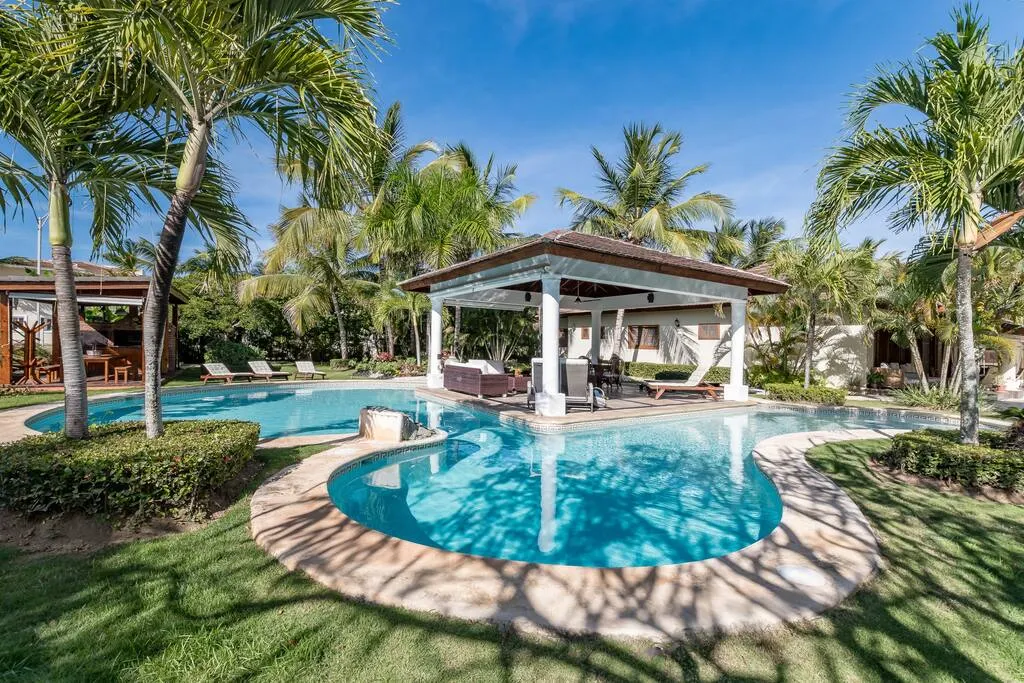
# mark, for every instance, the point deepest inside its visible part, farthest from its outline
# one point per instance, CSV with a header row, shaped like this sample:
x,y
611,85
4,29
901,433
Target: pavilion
x,y
111,340
565,270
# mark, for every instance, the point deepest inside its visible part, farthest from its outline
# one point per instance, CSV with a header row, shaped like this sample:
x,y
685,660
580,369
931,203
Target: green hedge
x,y
666,371
118,471
938,454
813,394
232,354
342,363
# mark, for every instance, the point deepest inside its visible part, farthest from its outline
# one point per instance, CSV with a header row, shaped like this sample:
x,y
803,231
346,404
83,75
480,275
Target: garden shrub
x,y
761,376
232,354
916,397
813,394
938,454
342,363
118,471
667,372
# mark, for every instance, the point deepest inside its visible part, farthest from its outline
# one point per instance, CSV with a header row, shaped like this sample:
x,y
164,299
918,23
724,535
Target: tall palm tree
x,y
643,200
827,285
131,257
744,244
949,169
643,195
80,140
265,62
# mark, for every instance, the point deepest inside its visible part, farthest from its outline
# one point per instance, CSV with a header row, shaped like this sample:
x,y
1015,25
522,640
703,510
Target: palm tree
x,y
131,257
387,301
827,285
262,61
642,199
63,120
642,195
956,162
905,310
314,266
744,244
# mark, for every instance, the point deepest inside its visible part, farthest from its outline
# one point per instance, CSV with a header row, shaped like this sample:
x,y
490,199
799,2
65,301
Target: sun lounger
x,y
658,389
578,390
261,370
221,372
308,370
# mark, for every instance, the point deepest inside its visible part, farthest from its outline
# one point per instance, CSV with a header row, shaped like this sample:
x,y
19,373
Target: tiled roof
x,y
600,249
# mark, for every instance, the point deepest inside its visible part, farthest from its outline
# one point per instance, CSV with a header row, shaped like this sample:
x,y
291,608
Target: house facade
x,y
694,335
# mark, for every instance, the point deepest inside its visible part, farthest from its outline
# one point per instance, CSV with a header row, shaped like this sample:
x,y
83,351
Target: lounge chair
x,y
693,384
579,392
306,368
261,370
221,372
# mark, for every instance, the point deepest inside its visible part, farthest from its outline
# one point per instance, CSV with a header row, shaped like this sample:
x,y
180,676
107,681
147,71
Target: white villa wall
x,y
1009,370
843,356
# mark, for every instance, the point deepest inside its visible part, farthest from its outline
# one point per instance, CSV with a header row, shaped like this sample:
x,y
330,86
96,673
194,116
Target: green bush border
x,y
670,371
118,471
828,396
938,454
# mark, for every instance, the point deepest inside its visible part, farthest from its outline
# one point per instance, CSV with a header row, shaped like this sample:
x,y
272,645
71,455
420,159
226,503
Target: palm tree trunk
x,y
915,357
457,330
190,176
76,399
416,336
390,332
339,315
969,410
620,322
809,349
947,357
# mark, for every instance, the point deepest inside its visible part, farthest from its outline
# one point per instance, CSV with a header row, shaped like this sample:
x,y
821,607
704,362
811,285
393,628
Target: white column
x,y
434,378
550,403
595,337
736,390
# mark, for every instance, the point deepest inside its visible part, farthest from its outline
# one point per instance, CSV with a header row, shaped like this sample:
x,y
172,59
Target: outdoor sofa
x,y
477,377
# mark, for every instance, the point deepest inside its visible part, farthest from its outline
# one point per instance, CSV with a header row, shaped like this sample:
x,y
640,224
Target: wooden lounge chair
x,y
308,370
221,372
261,370
693,384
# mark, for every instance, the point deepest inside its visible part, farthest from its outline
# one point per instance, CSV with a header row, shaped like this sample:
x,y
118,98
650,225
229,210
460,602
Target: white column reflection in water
x,y
551,446
737,426
434,422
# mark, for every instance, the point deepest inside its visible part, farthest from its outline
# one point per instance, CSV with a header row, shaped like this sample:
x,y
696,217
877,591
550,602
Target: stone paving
x,y
821,551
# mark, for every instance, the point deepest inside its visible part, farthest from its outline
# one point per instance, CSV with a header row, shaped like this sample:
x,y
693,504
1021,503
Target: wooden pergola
x,y
116,344
567,270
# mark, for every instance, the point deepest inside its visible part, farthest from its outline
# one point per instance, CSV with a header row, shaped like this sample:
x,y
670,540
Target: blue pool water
x,y
656,493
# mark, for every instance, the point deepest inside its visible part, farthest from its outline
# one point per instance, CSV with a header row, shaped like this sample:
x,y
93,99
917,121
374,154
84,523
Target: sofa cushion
x,y
486,367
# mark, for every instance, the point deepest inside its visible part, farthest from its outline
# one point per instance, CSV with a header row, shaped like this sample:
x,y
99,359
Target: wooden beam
x,y
6,350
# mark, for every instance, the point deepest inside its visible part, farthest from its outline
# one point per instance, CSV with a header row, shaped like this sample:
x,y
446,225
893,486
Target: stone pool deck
x,y
821,551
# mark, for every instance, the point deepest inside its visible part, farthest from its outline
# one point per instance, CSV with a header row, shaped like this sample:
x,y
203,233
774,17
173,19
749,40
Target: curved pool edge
x,y
821,551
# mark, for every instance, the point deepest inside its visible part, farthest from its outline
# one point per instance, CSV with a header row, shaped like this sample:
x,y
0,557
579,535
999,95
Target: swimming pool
x,y
660,492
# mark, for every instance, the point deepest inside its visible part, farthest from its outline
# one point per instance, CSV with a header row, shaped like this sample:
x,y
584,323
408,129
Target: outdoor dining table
x,y
103,360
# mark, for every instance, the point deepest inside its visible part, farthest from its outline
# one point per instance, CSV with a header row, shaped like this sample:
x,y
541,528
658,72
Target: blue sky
x,y
757,88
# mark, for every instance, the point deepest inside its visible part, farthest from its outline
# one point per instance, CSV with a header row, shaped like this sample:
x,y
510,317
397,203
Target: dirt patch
x,y
987,493
80,533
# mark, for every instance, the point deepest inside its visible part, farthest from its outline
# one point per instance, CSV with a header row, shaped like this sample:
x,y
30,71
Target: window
x,y
584,333
709,331
643,336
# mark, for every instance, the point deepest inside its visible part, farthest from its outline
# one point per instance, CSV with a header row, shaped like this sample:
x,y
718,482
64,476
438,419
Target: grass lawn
x,y
209,605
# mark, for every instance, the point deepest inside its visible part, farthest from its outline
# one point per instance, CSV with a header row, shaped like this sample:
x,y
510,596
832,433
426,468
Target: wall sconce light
x,y
650,297
529,296
677,323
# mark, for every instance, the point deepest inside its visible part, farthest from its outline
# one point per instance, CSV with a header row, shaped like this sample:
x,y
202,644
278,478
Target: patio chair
x,y
221,372
261,370
536,384
306,368
612,375
578,389
693,384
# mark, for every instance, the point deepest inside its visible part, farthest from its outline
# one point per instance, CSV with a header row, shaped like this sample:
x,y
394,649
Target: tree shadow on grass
x,y
210,604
